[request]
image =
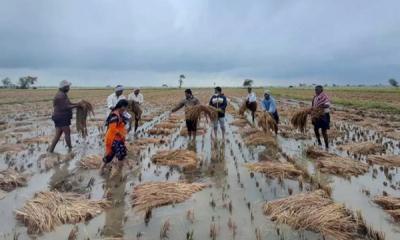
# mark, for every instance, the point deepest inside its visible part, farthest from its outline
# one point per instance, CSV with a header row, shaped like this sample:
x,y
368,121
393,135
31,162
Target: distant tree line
x,y
23,82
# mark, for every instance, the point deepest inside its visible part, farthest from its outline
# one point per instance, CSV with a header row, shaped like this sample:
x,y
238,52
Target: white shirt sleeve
x,y
110,101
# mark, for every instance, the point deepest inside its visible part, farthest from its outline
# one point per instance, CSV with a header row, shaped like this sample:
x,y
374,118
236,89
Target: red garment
x,y
321,100
115,131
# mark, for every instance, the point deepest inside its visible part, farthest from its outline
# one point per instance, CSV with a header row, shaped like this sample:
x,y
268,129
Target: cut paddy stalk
x,y
363,148
180,158
50,209
390,204
11,179
194,113
266,122
154,194
345,167
84,109
385,160
276,169
91,162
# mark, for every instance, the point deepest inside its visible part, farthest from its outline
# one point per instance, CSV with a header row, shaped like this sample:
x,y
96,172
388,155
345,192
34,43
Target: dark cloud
x,y
150,42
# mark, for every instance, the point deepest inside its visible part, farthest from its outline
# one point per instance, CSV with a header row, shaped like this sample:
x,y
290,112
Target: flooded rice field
x,y
219,189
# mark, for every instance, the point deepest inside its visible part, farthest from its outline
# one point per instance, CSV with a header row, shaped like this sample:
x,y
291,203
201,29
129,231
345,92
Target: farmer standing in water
x,y
268,104
137,97
251,102
62,115
321,100
218,100
188,101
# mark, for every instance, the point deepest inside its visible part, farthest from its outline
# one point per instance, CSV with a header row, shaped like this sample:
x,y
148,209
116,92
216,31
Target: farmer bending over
x,y
188,101
321,100
251,102
269,105
137,97
115,135
218,100
62,115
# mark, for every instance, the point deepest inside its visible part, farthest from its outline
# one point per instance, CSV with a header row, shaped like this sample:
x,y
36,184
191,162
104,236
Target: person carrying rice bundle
x,y
137,97
321,101
251,102
188,101
268,104
218,101
115,136
62,115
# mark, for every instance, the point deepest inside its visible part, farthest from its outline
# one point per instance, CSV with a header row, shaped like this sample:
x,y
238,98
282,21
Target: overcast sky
x,y
148,43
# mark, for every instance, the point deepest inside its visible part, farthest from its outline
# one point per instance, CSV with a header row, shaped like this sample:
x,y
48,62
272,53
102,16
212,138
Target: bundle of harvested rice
x,y
316,114
154,194
180,158
239,122
363,148
50,209
194,113
11,148
146,141
313,152
245,132
316,212
390,204
261,138
11,179
199,131
160,131
134,108
49,160
345,167
37,140
385,160
84,109
276,169
299,119
166,125
91,162
147,118
242,108
267,122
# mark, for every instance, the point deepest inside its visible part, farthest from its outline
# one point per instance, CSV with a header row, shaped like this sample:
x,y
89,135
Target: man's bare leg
x,y
326,140
56,138
67,136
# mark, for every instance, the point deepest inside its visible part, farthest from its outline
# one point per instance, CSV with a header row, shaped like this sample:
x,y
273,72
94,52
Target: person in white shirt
x,y
251,102
137,97
112,101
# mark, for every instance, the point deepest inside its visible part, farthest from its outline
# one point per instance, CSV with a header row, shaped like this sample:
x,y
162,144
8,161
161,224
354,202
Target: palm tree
x,y
247,83
181,77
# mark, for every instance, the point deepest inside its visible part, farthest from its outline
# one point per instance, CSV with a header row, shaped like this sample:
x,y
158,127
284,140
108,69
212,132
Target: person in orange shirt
x,y
115,136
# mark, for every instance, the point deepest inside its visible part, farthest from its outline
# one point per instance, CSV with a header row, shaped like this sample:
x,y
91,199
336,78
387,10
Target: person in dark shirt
x,y
62,115
218,100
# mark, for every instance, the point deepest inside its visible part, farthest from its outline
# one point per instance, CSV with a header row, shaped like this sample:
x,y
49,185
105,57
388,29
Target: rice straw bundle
x,y
166,125
195,112
146,141
316,114
245,132
84,109
154,194
199,131
363,148
267,122
390,204
345,167
13,148
180,158
37,140
242,108
385,160
276,169
50,209
91,162
11,179
134,108
239,122
260,138
160,131
313,152
49,160
316,212
146,118
299,119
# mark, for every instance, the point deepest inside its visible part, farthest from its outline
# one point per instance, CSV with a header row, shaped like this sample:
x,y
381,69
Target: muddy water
x,y
234,196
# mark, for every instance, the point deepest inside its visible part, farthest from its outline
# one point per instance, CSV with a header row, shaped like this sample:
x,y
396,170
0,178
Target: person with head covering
x,y
188,101
321,100
62,115
137,98
114,139
268,104
112,101
218,100
251,102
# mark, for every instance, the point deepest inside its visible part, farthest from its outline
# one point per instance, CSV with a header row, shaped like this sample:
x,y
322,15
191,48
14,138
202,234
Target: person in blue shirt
x,y
218,100
269,105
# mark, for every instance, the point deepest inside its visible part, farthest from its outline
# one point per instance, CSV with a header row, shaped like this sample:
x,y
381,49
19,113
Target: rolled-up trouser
x,y
118,150
221,122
